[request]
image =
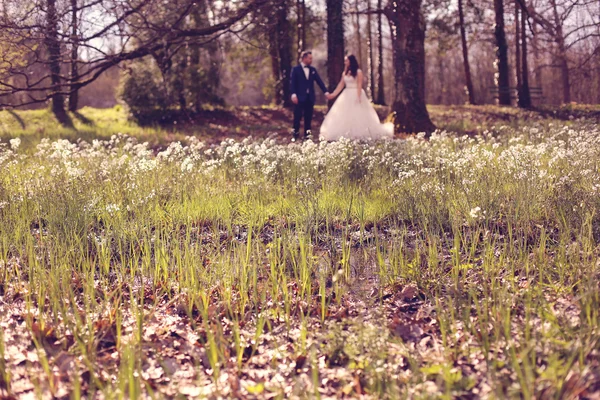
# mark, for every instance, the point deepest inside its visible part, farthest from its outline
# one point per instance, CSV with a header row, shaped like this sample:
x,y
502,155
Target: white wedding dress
x,y
351,119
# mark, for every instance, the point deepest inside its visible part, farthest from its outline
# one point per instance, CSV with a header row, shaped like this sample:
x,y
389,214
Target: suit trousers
x,y
303,109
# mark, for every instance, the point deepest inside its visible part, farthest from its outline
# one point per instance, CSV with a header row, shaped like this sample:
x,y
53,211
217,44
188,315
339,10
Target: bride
x,y
352,116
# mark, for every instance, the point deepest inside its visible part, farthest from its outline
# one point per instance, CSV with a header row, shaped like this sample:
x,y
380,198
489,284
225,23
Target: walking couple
x,y
352,116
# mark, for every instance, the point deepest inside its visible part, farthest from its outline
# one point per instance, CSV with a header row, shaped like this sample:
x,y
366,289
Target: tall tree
x,y
465,53
501,54
74,92
408,41
518,47
52,42
280,50
380,81
562,53
524,93
357,30
370,50
202,62
301,32
536,55
275,62
335,42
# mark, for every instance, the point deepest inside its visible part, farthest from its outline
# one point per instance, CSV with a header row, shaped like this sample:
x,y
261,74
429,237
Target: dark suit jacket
x,y
305,88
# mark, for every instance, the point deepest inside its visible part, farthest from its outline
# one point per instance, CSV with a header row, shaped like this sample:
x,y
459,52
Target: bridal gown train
x,y
353,120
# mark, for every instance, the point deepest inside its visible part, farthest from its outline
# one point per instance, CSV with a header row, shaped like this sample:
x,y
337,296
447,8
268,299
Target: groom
x,y
303,78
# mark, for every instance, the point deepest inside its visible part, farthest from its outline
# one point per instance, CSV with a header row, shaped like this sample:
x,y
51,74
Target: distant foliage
x,y
141,90
156,94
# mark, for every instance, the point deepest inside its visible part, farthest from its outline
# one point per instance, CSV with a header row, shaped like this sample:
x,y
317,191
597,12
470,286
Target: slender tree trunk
x,y
562,55
275,64
518,49
380,82
203,60
536,57
597,78
358,37
525,94
441,80
285,51
465,51
370,50
408,37
53,47
301,11
179,84
74,95
518,44
304,42
335,42
503,82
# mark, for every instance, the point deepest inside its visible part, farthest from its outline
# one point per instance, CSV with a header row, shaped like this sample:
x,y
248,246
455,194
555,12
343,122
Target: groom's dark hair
x,y
305,54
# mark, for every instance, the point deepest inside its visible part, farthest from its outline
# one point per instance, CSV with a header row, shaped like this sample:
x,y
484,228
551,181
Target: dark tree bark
x,y
524,93
74,95
408,41
335,43
275,26
53,47
518,48
465,52
503,82
380,82
370,50
275,64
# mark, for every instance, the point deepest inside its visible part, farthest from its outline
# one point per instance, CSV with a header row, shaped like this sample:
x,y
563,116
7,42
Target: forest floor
x,y
464,266
217,123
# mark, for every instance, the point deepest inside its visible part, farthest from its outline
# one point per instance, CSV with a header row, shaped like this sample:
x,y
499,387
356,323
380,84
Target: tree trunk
x,y
465,51
408,38
275,64
501,55
370,52
301,12
358,38
53,46
536,57
562,55
380,82
74,95
441,80
335,43
203,62
518,46
524,93
285,51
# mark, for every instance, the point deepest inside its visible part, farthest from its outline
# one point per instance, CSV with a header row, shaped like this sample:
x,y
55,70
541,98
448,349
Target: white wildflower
x,y
15,143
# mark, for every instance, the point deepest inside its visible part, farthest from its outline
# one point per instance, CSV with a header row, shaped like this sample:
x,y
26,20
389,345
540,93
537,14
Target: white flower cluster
x,y
479,177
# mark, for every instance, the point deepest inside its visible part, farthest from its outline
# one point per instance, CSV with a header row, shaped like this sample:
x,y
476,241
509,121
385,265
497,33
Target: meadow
x,y
466,265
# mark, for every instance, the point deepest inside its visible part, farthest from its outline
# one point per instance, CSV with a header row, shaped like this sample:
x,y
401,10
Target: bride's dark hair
x,y
353,68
